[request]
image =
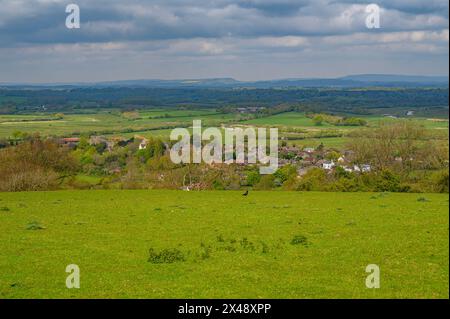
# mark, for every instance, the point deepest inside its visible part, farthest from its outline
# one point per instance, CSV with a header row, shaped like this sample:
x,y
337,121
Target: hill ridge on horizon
x,y
366,79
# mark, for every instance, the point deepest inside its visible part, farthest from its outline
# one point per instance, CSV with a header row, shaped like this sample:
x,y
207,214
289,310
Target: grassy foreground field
x,y
223,245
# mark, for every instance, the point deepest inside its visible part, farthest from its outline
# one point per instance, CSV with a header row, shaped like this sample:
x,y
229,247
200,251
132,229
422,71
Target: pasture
x,y
214,244
158,123
106,122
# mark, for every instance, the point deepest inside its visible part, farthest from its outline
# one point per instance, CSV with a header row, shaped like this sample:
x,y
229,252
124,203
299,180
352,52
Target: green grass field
x,y
430,123
329,142
106,121
266,245
287,119
158,123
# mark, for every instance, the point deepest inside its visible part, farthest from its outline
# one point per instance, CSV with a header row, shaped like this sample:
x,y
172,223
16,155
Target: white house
x,y
347,169
328,165
143,144
365,168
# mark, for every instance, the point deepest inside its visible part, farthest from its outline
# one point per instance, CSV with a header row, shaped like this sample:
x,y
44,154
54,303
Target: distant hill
x,y
392,78
361,80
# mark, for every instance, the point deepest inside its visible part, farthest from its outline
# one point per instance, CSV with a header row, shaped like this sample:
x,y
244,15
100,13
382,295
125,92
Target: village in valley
x,y
303,159
320,157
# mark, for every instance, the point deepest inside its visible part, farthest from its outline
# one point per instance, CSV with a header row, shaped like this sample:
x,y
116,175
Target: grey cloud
x,y
197,38
135,20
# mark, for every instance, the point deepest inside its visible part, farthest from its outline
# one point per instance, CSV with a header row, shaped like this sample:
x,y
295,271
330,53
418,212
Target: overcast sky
x,y
243,39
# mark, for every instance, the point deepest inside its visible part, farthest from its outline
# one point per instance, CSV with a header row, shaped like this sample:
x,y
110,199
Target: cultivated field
x,y
106,122
174,244
159,123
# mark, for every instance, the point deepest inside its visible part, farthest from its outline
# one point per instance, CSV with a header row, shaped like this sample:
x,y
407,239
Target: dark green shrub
x,y
300,240
441,181
35,226
253,178
165,256
205,252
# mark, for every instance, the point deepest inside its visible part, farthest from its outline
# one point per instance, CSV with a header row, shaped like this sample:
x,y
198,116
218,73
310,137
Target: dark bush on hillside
x,y
300,240
165,256
314,180
386,181
284,173
253,178
441,181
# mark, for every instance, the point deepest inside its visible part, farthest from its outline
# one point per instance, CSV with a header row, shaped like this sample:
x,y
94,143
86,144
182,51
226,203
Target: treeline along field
x,y
431,101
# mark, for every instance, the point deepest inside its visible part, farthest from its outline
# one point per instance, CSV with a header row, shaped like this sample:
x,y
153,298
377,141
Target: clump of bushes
x,y
205,251
246,244
34,165
318,119
35,226
165,256
300,240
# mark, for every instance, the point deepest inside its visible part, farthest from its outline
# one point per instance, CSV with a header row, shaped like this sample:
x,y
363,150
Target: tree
x,y
392,145
35,165
284,173
253,177
332,156
59,116
318,120
17,135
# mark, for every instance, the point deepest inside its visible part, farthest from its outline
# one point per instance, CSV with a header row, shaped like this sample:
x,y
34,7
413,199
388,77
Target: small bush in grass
x,y
35,226
220,239
165,256
246,244
205,251
230,248
299,240
264,248
4,209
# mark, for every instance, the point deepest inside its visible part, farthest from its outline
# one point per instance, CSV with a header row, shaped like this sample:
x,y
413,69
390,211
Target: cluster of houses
x,y
304,158
407,113
250,109
308,158
109,143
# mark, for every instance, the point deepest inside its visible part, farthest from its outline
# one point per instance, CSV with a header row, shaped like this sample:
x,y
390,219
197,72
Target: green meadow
x,y
213,244
331,142
287,119
160,121
106,122
297,119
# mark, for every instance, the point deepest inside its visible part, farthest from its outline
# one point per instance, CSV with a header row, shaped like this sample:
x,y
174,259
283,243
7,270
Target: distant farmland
x,y
159,122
